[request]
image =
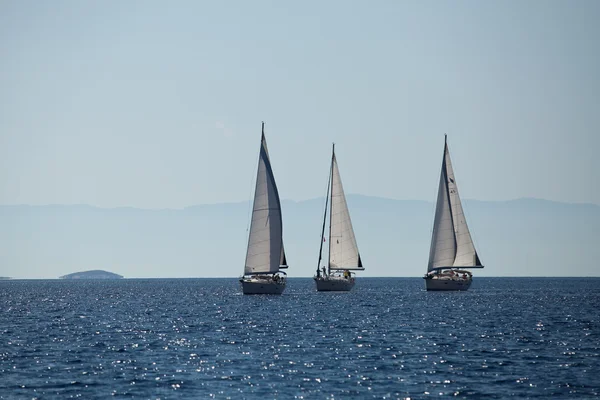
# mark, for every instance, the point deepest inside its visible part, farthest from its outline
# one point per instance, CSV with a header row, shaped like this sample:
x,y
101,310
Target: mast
x,y
262,139
445,167
443,239
324,219
330,208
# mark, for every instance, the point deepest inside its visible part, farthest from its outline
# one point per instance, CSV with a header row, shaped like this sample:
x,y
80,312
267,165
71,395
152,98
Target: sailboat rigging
x,y
343,249
265,254
452,251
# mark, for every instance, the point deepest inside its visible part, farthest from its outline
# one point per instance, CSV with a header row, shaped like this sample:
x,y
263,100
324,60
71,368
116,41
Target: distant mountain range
x,y
525,237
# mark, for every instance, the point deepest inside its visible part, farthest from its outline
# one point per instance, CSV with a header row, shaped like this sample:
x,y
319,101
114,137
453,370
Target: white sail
x,y
265,243
343,251
451,243
465,251
443,240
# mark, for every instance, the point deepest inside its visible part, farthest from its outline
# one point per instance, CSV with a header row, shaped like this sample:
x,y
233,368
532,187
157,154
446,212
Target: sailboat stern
x,y
263,284
334,283
447,284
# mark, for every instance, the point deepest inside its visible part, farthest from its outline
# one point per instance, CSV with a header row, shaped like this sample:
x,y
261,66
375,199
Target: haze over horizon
x,y
156,106
524,237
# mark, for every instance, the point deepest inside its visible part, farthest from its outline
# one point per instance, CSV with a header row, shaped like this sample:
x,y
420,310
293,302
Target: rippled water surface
x,y
388,338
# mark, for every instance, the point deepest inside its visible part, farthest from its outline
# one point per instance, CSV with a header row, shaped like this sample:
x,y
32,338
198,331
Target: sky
x,y
156,104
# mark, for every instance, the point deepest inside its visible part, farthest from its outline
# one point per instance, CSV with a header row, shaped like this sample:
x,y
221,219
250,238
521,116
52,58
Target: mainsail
x,y
451,243
343,251
265,243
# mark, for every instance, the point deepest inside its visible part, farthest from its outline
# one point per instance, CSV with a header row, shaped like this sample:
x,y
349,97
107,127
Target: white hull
x,y
334,284
447,284
262,286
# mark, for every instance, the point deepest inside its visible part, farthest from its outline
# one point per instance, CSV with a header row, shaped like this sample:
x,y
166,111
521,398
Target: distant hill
x,y
95,274
525,237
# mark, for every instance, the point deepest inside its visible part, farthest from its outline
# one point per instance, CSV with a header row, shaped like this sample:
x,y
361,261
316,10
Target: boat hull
x,y
334,285
447,284
250,286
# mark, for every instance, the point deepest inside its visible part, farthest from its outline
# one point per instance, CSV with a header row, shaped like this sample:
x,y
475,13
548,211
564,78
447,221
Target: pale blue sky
x,y
159,104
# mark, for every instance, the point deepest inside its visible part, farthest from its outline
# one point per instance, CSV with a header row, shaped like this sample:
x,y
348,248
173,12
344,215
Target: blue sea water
x,y
388,338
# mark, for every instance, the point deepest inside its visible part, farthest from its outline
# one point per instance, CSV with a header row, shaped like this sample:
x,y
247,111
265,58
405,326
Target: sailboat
x,y
343,251
452,251
265,255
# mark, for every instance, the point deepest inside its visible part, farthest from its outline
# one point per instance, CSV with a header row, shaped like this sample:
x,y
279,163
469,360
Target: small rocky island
x,y
94,274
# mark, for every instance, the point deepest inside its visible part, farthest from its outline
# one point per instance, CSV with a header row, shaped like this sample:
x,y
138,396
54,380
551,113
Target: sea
x,y
386,339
